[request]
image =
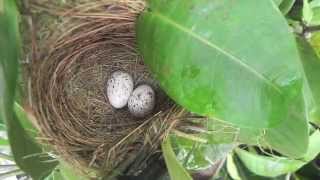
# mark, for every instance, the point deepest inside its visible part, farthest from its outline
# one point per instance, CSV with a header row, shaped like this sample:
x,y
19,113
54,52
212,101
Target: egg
x,y
141,101
119,89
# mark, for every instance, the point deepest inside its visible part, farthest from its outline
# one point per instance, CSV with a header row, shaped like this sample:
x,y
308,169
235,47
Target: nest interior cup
x,y
69,82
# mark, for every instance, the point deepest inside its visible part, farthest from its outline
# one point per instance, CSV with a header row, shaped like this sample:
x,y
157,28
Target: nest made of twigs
x,y
68,88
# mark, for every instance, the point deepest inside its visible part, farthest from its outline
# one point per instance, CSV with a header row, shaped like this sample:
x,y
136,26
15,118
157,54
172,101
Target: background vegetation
x,y
279,33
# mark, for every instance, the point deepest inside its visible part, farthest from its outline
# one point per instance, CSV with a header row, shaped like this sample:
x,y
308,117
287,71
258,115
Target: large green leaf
x,y
9,53
311,65
217,60
27,154
276,166
266,166
23,119
176,170
291,132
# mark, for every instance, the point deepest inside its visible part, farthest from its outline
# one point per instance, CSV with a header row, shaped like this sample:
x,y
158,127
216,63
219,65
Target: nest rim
x,y
90,30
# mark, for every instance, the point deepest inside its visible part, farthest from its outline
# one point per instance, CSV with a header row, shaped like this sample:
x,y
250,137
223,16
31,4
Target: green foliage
x,y
307,13
176,171
286,6
27,153
238,171
265,87
202,67
311,65
311,12
198,156
217,60
315,42
277,2
64,172
291,132
276,166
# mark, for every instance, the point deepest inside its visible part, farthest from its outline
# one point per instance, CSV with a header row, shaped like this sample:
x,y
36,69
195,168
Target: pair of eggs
x,y
120,92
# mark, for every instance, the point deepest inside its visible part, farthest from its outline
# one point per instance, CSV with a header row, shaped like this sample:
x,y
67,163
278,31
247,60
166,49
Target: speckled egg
x,y
141,101
119,89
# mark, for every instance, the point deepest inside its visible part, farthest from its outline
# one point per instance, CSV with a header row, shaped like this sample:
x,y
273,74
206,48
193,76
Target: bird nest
x,y
68,82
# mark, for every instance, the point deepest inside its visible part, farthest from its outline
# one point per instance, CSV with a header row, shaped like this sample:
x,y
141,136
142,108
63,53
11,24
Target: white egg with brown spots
x,y
141,101
119,89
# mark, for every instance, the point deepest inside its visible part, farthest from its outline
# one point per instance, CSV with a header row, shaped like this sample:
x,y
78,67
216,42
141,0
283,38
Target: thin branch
x,y
310,29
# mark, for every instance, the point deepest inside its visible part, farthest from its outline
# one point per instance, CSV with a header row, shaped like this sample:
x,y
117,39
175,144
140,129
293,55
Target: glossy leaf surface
x,y
193,50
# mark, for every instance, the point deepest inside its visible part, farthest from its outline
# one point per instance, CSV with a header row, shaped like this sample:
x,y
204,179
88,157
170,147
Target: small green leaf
x,y
314,147
176,170
315,5
232,168
316,16
307,13
268,166
276,166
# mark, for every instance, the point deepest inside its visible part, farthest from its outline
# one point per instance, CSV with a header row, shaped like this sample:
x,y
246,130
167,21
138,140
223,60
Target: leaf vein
x,y
214,46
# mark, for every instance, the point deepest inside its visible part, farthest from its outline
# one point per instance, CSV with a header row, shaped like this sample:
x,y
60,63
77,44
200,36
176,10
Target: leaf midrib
x,y
214,46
